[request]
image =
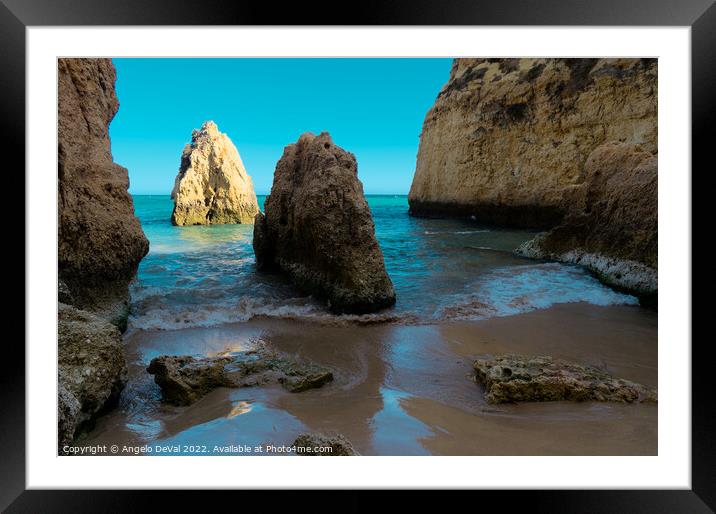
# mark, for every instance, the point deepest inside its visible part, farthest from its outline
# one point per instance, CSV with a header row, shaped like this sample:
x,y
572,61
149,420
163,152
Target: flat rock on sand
x,y
185,379
315,445
317,228
514,378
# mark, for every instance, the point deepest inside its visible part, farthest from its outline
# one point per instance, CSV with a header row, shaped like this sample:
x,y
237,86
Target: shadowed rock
x,y
100,243
317,228
185,379
64,295
611,225
514,378
100,240
92,369
212,186
68,414
316,445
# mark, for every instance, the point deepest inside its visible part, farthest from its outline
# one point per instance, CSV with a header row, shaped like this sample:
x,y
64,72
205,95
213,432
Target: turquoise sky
x,y
372,107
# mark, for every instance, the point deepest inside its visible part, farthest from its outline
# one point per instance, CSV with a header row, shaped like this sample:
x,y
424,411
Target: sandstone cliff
x,y
566,144
100,239
611,224
318,228
507,138
212,185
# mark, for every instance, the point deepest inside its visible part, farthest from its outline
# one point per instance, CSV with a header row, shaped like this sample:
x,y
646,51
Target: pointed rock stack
x,y
318,229
212,186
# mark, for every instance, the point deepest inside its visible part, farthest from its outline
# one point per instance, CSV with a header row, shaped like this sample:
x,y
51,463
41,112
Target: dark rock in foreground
x,y
100,243
317,228
92,369
185,379
306,445
100,240
514,378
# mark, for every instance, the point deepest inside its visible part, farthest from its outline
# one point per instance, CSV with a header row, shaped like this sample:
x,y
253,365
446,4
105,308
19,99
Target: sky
x,y
371,107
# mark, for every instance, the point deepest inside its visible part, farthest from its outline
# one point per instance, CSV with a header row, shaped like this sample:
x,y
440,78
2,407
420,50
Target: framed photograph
x,y
449,245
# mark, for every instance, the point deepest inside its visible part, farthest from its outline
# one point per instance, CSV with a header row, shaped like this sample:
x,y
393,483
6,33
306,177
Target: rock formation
x,y
611,223
100,240
316,445
507,137
100,244
317,228
514,378
92,368
185,379
212,186
523,142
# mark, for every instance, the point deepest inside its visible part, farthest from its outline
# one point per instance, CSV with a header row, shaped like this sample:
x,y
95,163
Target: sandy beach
x,y
399,389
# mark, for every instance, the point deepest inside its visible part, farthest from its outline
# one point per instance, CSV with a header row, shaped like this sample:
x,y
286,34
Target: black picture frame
x,y
700,15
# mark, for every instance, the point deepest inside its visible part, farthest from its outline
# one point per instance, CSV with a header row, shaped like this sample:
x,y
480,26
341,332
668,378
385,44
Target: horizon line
x,y
265,194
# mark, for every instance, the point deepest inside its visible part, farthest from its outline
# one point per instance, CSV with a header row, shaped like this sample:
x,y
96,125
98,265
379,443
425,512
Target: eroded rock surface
x,y
100,240
515,378
185,379
508,138
310,445
611,221
317,228
212,186
92,369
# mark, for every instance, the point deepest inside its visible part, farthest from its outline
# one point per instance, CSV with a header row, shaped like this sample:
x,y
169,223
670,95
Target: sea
x,y
442,269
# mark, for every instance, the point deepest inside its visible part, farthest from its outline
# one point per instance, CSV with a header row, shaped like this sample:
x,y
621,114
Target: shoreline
x,y
401,389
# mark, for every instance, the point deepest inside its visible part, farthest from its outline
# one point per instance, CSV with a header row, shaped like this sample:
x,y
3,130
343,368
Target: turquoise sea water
x,y
441,269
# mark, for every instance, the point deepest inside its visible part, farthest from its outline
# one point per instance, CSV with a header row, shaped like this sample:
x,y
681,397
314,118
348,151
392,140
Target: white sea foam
x,y
503,292
459,232
174,317
519,289
205,276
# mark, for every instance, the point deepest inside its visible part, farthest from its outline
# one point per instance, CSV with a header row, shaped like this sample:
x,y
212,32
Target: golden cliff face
x,y
508,138
212,186
611,223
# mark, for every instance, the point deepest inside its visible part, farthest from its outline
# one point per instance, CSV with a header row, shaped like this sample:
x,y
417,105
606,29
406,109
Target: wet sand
x,y
402,390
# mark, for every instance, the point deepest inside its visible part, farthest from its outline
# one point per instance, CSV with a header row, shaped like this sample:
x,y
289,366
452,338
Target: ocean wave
x,y
175,317
504,292
204,276
164,316
458,232
141,293
520,289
